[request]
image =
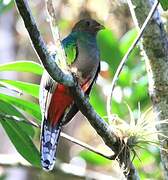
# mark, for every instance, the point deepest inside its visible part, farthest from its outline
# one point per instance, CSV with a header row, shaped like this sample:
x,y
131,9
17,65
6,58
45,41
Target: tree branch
x,y
155,49
101,127
86,146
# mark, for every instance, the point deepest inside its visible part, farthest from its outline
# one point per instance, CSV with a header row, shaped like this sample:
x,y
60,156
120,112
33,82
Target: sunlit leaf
x,y
144,156
125,77
22,66
27,106
98,102
5,6
119,109
125,43
18,135
29,88
93,158
10,87
109,48
140,90
164,4
10,110
127,39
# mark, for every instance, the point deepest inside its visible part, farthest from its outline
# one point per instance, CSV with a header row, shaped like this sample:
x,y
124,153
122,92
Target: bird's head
x,y
87,25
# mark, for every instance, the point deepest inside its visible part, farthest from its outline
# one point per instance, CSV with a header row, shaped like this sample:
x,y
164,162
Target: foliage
x,y
164,4
5,5
22,66
94,159
21,134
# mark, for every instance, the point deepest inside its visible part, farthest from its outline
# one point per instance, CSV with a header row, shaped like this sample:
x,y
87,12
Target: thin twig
x,y
123,61
155,51
64,135
56,36
86,146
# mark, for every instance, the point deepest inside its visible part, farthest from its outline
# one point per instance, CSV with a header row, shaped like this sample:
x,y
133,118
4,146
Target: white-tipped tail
x,y
49,140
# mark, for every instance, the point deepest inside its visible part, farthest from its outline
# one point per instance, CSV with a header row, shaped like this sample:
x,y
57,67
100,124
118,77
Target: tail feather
x,y
49,140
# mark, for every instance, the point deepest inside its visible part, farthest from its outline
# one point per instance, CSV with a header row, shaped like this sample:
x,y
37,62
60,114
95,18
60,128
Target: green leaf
x,y
3,177
10,87
18,136
27,106
125,77
164,4
145,157
127,40
93,158
5,6
10,110
23,66
125,43
22,142
97,101
109,48
29,88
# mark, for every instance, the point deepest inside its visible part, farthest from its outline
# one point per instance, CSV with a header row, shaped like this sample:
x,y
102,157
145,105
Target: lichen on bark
x,y
155,50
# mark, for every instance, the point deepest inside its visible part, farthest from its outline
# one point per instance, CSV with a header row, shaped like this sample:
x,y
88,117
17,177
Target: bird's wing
x,y
47,88
74,109
49,135
48,85
71,52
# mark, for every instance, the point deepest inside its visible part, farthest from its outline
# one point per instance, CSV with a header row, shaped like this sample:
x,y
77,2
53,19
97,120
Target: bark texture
x,y
155,49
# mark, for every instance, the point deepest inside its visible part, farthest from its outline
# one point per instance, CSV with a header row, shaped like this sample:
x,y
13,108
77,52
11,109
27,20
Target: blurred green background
x,y
132,87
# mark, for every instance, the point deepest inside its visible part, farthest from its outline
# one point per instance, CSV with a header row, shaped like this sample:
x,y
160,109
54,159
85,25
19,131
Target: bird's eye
x,y
87,23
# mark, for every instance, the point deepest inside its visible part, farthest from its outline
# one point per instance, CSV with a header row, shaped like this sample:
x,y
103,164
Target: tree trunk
x,y
155,48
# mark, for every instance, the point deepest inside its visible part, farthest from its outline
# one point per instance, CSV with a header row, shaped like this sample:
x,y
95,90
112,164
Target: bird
x,y
56,102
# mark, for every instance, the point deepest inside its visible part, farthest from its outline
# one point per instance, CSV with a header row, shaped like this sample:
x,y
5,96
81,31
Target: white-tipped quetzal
x,y
83,58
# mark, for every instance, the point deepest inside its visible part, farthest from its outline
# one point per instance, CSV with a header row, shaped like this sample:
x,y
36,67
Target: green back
x,y
70,47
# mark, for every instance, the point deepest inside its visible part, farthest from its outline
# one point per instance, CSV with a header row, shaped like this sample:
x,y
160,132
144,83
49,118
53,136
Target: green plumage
x,y
70,44
70,48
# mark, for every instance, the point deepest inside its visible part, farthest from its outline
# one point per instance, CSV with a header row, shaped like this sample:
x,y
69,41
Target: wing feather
x,y
47,88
